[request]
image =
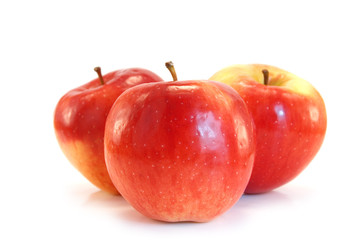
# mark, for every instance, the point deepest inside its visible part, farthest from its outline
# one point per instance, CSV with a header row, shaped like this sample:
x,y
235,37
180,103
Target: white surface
x,y
49,48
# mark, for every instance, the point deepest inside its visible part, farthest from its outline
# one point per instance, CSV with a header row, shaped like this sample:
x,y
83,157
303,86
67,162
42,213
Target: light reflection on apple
x,y
209,128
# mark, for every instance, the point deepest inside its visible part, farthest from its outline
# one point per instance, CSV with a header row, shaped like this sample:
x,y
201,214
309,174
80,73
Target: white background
x,y
48,48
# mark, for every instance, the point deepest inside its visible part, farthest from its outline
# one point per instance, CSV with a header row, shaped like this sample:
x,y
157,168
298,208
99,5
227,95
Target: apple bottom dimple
x,y
85,160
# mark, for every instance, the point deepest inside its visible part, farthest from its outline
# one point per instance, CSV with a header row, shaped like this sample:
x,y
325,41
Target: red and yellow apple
x,y
289,117
180,150
79,121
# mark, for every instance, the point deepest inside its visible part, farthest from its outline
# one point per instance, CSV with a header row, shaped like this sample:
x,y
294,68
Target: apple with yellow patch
x,y
79,121
290,121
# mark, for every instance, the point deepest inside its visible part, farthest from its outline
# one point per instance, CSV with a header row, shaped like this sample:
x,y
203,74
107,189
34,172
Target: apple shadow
x,y
133,215
263,199
242,211
250,205
106,200
117,206
284,196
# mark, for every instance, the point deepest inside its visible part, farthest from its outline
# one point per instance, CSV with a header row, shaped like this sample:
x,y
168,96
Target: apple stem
x,y
171,69
265,76
98,70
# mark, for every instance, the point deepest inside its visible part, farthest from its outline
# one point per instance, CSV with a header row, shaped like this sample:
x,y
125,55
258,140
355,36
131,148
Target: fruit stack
x,y
188,150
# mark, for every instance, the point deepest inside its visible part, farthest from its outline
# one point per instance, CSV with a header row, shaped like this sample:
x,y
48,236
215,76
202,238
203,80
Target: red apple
x,y
290,121
181,150
79,121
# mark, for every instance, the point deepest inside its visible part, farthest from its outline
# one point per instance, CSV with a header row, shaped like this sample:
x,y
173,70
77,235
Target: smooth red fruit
x,y
180,151
290,120
79,121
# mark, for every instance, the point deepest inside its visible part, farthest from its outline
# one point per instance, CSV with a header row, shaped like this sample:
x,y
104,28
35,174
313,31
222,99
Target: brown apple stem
x,y
99,72
171,69
265,76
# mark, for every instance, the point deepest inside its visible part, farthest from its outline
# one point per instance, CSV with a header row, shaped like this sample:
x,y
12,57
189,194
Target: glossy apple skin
x,y
79,121
180,151
290,121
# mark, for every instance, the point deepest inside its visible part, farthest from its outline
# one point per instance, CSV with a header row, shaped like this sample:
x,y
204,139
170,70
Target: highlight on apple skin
x,y
290,121
79,121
